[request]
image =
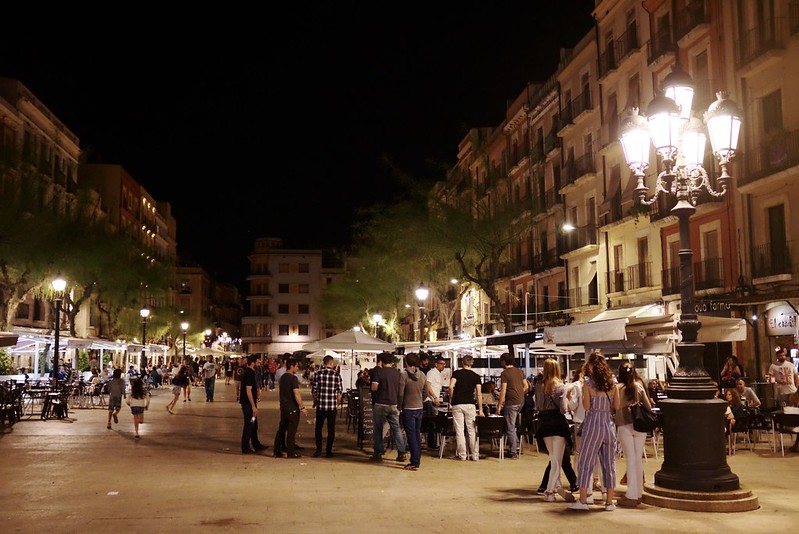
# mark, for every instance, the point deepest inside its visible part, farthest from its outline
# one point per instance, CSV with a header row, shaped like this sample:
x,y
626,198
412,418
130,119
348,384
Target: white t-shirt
x,y
435,380
209,369
784,377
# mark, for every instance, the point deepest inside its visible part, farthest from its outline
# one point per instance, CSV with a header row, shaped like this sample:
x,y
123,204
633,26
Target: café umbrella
x,y
352,341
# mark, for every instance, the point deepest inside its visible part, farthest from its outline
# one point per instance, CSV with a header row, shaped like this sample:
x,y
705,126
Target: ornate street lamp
x,y
421,295
693,420
184,326
58,285
377,319
145,313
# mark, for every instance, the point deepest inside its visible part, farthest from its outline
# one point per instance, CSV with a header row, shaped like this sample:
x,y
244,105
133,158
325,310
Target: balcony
x,y
780,153
609,133
581,237
691,20
607,61
582,166
552,142
709,274
759,45
771,260
639,276
552,198
549,259
661,47
670,280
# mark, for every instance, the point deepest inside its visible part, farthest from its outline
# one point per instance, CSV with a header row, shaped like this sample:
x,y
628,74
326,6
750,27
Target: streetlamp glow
x,y
184,326
421,295
58,285
377,319
145,313
692,417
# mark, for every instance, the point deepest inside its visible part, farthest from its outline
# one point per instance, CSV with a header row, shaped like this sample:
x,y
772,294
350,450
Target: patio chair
x,y
493,430
785,423
446,429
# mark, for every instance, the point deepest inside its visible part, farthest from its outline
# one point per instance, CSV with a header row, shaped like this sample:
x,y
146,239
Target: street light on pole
x,y
145,313
693,420
421,295
184,326
377,319
58,285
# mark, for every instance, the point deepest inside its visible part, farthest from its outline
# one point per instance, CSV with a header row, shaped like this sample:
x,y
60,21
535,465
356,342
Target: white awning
x,y
721,329
580,334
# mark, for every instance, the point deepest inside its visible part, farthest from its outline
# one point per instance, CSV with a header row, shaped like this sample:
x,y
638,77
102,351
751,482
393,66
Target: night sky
x,y
284,124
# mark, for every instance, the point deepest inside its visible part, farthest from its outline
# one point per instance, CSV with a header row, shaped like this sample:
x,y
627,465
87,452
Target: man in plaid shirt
x,y
326,390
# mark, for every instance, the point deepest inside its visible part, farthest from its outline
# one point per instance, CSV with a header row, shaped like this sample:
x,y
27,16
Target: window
x,y
282,329
303,330
304,308
304,268
282,308
304,288
282,288
772,113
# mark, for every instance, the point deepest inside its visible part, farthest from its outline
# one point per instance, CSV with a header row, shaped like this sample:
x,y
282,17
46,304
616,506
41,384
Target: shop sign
x,y
708,306
781,321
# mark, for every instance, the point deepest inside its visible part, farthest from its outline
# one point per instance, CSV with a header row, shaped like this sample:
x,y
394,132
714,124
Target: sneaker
x,y
109,426
541,491
376,458
411,467
589,499
317,454
568,497
549,497
137,436
609,506
577,506
574,488
624,502
401,457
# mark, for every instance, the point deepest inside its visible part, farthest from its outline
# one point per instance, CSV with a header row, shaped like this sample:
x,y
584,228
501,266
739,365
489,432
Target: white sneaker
x,y
609,506
589,500
577,506
566,495
549,497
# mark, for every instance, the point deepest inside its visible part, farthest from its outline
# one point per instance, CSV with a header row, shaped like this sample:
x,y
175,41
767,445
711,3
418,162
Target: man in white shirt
x,y
784,374
209,376
433,387
748,395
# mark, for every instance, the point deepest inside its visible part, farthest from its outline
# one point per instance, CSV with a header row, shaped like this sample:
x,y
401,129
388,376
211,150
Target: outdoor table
x,y
31,397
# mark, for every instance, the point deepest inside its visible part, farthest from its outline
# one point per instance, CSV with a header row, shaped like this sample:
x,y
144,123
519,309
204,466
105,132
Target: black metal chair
x,y
785,423
446,429
492,429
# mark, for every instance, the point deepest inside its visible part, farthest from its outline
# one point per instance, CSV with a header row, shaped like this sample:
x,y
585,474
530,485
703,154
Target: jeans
x,y
209,388
250,432
463,419
287,431
432,432
511,412
321,417
412,421
271,381
632,443
380,414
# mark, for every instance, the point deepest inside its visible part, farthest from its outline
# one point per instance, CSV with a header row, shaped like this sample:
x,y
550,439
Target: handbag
x,y
644,419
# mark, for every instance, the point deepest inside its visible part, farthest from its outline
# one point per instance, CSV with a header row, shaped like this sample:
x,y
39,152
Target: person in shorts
x,y
116,392
138,401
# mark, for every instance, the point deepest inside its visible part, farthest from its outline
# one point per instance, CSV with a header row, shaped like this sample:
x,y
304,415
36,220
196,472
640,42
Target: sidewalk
x,y
186,473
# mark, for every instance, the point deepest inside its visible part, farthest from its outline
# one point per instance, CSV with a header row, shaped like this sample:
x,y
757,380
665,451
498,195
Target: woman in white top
x,y
631,390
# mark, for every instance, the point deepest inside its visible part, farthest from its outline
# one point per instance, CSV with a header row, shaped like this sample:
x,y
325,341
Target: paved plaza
x,y
186,474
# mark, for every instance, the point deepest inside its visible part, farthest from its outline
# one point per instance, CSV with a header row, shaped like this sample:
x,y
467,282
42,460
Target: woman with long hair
x,y
735,417
631,390
550,398
600,399
177,386
138,401
730,373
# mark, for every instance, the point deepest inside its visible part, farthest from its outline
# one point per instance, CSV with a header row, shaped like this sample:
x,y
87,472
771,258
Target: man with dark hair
x,y
385,395
511,398
290,407
411,393
464,387
433,385
326,390
249,407
424,362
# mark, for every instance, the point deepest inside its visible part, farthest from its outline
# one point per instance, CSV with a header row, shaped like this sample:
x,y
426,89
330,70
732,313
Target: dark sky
x,y
280,124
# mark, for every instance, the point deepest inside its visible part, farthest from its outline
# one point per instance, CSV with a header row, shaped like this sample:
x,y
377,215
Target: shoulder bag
x,y
644,419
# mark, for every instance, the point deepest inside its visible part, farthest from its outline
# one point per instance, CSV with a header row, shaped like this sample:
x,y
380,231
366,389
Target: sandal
x,y
410,467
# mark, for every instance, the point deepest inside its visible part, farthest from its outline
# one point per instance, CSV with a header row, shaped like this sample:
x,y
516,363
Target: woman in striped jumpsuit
x,y
600,399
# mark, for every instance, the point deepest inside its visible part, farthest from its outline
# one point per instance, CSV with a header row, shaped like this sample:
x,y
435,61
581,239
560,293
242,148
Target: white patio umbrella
x,y
353,341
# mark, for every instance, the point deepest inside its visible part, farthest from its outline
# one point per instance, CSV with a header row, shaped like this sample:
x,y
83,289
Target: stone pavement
x,y
186,473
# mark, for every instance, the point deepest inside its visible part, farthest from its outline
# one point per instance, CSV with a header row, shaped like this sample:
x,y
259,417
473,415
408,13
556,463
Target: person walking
x,y
464,388
139,401
511,399
783,373
116,392
291,405
631,390
385,396
600,399
248,399
209,376
327,388
411,393
271,369
550,398
177,386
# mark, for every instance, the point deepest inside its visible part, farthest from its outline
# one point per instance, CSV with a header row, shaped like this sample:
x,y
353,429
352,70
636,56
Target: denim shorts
x,y
114,403
136,410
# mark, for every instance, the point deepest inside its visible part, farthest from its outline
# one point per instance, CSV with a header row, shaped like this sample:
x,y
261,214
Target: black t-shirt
x,y
248,381
239,371
288,383
388,379
466,381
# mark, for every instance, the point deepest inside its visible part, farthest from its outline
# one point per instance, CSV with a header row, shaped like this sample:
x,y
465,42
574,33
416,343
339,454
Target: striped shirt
x,y
326,388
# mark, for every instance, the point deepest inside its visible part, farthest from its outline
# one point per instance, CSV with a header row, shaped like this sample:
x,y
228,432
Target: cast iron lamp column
x,y
58,285
421,295
694,454
145,313
184,326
